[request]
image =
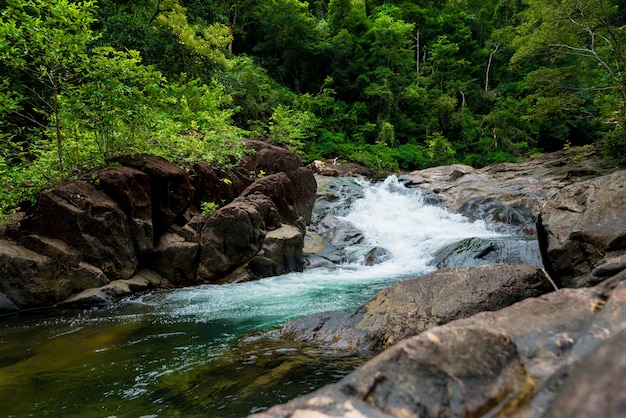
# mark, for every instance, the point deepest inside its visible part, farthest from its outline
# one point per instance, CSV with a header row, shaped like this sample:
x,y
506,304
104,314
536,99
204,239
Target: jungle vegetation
x,y
397,84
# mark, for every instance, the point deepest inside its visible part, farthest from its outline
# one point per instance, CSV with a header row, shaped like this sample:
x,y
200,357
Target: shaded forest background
x,y
390,84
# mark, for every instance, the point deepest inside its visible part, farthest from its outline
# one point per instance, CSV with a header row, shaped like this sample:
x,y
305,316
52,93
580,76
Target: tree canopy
x,y
391,84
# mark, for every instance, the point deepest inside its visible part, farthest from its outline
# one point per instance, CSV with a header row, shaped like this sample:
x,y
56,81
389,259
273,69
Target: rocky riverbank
x,y
495,339
139,223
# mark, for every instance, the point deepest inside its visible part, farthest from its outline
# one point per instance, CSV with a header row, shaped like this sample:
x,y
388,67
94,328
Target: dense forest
x,y
391,84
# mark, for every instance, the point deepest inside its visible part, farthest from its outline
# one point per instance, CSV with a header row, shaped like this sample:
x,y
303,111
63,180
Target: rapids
x,y
177,353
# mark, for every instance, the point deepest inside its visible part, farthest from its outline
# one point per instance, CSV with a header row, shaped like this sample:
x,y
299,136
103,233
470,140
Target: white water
x,y
390,215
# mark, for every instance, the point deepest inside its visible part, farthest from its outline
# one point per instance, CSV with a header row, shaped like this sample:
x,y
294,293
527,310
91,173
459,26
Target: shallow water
x,y
177,353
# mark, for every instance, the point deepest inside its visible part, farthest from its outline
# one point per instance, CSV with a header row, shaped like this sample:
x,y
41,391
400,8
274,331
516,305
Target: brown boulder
x,y
30,279
281,253
132,191
234,234
269,159
279,189
583,224
175,258
171,188
88,220
212,184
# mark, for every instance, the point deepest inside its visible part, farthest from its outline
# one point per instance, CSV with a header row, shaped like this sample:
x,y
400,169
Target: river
x,y
180,352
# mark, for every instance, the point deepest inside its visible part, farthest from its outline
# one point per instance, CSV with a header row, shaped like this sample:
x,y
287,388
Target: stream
x,y
180,352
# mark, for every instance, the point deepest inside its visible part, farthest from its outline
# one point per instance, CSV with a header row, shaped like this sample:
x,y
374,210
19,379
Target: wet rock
x,y
376,255
338,232
6,305
582,225
174,247
414,306
334,197
473,252
492,211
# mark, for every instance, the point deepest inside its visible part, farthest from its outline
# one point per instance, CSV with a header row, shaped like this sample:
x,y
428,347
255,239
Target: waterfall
x,y
390,216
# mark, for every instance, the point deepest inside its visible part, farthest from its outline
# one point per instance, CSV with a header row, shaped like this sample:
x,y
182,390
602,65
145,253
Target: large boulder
x,y
176,258
582,226
279,188
269,159
31,279
560,354
414,306
473,252
132,191
509,194
234,234
90,221
213,184
171,187
281,253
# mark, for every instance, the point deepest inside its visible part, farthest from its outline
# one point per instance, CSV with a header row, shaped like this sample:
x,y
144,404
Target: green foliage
x,y
209,208
290,127
439,149
389,84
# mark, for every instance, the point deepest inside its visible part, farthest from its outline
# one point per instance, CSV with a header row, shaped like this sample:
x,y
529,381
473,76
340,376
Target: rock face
x,y
96,233
560,354
414,306
494,340
509,194
582,225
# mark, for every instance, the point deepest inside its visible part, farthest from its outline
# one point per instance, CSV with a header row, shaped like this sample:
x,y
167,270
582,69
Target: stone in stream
x,y
560,354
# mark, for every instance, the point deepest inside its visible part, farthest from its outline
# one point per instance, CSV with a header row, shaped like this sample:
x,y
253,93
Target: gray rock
x,y
597,386
473,252
6,305
414,306
581,226
560,354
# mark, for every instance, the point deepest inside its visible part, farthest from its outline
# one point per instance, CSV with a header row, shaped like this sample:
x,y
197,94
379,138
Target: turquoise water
x,y
181,352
